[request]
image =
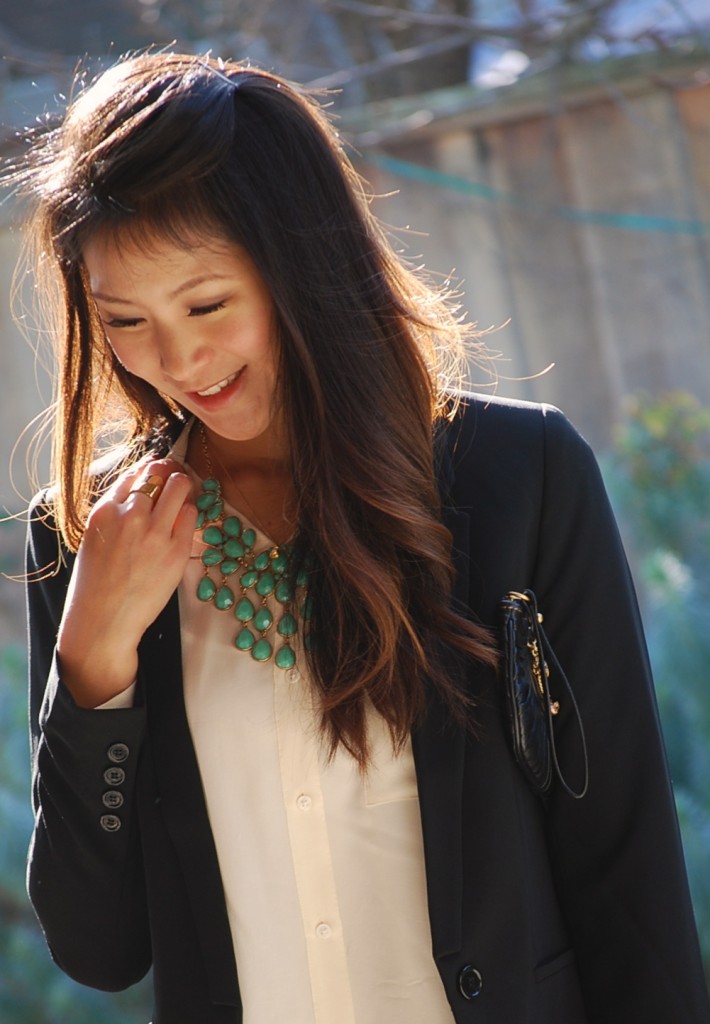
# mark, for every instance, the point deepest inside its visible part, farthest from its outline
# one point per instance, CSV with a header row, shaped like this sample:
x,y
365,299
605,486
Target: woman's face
x,y
197,323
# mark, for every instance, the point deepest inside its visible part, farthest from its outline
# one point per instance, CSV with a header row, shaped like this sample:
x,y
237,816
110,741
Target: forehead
x,y
140,259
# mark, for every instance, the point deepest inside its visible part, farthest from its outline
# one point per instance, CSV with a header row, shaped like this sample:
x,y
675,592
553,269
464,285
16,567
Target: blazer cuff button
x,y
110,822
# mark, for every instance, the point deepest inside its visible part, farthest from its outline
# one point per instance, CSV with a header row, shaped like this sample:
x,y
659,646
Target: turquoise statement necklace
x,y
259,588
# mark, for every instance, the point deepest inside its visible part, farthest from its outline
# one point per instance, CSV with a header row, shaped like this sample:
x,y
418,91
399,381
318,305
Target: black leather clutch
x,y
527,656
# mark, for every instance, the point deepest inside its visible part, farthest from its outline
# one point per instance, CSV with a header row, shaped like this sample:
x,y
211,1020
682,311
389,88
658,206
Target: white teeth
x,y
216,388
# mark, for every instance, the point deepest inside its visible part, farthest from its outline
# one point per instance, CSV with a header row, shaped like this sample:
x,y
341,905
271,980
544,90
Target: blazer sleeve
x,y
616,854
85,874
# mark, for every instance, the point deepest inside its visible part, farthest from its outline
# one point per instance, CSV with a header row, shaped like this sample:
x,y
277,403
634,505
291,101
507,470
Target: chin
x,y
240,432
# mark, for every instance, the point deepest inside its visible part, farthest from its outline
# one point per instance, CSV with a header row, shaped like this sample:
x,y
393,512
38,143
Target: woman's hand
x,y
130,560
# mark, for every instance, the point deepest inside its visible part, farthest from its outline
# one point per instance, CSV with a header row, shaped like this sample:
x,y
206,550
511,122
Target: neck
x,y
267,454
254,477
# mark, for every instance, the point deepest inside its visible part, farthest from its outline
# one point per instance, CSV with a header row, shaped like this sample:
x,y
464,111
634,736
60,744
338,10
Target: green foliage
x,y
659,480
661,475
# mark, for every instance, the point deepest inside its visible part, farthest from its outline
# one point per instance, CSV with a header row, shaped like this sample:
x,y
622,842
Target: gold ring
x,y
151,487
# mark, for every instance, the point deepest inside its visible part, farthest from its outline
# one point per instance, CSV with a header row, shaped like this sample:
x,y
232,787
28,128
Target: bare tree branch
x,y
393,60
434,20
541,32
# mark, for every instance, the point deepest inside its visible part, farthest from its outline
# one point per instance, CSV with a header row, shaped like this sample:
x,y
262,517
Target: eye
x,y
119,322
205,310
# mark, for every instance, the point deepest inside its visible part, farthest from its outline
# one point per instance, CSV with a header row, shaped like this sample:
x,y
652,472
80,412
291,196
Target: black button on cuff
x,y
470,982
110,822
112,799
114,776
118,753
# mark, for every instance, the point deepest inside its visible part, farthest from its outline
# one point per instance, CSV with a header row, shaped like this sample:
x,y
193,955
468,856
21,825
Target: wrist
x,y
95,677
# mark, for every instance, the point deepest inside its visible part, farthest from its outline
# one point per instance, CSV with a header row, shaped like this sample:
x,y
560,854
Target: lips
x,y
215,389
216,396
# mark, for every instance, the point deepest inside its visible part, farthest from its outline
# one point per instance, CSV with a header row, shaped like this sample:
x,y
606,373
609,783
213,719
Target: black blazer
x,y
542,912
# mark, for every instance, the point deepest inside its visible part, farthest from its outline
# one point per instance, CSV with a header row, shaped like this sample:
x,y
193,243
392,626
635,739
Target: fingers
x,y
121,487
175,495
142,484
153,490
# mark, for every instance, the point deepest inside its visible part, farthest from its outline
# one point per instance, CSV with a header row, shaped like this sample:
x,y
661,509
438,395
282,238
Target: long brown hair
x,y
181,145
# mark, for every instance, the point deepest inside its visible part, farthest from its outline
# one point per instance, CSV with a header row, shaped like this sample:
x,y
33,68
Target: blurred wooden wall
x,y
585,223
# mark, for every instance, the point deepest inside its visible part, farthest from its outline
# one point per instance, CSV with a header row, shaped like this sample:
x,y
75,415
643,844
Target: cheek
x,y
117,349
252,338
131,356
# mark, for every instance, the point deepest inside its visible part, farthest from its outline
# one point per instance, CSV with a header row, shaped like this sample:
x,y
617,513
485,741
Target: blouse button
x,y
322,930
303,802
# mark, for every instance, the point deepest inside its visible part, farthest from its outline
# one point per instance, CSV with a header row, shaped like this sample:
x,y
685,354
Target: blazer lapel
x,y
439,749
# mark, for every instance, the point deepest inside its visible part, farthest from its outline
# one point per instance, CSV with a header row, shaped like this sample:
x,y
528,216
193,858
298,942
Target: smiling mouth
x,y
219,386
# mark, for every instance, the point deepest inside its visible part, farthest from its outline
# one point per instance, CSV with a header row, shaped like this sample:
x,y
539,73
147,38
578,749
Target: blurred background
x,y
551,159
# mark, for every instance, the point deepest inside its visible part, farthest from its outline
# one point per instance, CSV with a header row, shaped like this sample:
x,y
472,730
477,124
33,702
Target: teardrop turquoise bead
x,y
211,556
265,585
302,577
244,610
279,564
285,658
228,566
214,512
249,537
232,526
233,548
213,535
244,640
283,592
249,578
288,625
206,589
206,500
261,561
210,484
261,651
224,598
200,520
263,619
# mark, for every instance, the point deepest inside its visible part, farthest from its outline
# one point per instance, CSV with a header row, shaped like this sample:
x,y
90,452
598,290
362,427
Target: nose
x,y
181,357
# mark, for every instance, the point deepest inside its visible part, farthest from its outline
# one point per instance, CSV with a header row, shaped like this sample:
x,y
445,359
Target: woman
x,y
271,753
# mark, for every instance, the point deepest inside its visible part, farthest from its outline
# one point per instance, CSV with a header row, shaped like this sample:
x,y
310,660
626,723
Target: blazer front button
x,y
112,799
470,982
118,753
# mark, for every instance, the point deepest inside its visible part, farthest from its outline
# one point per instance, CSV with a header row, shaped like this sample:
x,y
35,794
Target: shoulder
x,y
504,439
502,421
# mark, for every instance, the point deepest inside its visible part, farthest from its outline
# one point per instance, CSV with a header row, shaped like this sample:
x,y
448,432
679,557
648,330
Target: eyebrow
x,y
192,282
